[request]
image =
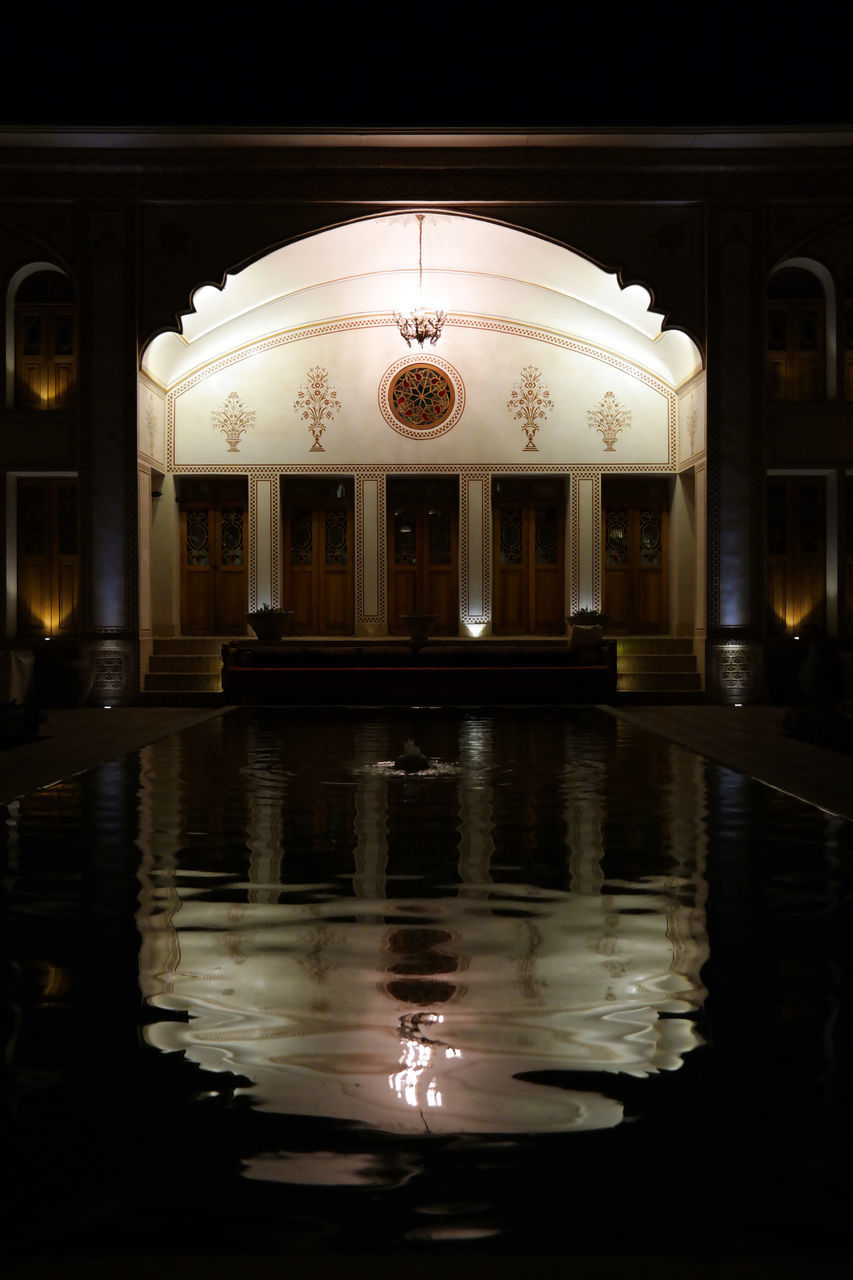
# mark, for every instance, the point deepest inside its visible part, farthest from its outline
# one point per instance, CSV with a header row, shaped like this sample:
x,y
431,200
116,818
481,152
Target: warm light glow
x,y
474,629
361,268
423,323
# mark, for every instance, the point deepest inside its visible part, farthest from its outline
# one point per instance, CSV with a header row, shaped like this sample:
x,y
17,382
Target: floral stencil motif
x,y
691,428
317,404
233,420
610,418
530,403
151,423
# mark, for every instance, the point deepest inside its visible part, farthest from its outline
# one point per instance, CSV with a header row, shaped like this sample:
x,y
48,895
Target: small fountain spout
x,y
413,759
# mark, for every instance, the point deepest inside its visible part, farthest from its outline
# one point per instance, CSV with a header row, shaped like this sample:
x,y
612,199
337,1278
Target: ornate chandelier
x,y
421,323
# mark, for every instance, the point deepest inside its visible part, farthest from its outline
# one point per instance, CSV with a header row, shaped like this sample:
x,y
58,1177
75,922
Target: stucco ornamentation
x,y
610,418
151,423
691,429
317,404
421,399
530,403
233,419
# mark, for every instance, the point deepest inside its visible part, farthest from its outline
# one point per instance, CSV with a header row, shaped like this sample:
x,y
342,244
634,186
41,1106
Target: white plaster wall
x,y
489,364
165,561
692,421
151,422
682,556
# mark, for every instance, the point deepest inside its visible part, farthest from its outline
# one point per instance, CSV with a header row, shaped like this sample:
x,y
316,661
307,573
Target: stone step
x,y
182,681
626,645
658,681
634,663
191,644
193,663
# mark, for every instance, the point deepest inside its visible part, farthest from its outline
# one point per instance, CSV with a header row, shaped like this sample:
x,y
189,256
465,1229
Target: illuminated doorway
x,y
48,556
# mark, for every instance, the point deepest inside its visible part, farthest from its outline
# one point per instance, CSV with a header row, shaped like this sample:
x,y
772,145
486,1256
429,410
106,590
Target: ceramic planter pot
x,y
420,627
584,637
269,625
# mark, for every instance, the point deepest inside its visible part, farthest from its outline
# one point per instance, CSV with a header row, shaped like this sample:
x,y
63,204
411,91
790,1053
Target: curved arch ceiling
x,y
472,267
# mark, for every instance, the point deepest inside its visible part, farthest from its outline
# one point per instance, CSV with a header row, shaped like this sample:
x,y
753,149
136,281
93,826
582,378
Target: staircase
x,y
185,671
656,669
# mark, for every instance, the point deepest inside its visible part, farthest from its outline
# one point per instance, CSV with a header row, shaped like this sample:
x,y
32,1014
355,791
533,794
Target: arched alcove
x,y
48,378
294,373
802,340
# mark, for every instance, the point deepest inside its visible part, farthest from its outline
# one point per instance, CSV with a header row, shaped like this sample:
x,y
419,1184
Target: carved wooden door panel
x,y
48,556
318,566
214,570
529,576
422,553
635,571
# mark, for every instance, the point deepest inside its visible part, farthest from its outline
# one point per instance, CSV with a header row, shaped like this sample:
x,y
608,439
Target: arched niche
x,y
793,284
17,284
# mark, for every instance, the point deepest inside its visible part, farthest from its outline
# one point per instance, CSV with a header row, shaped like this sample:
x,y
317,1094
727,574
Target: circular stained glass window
x,y
421,398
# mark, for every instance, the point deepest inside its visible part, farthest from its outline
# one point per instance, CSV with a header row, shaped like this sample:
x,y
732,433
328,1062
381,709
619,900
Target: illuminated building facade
x,y
640,399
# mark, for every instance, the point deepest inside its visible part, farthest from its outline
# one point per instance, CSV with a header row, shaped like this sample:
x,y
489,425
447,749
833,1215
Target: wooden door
x,y
423,553
528,555
796,337
214,578
635,570
848,558
796,553
48,556
318,560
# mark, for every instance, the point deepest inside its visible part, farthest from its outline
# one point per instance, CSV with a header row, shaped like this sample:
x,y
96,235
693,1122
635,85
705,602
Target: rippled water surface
x,y
569,988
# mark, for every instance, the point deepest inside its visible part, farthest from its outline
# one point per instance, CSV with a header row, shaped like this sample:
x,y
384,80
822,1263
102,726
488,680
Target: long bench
x,y
467,672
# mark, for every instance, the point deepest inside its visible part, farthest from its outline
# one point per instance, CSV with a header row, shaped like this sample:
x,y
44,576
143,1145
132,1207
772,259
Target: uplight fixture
x,y
422,323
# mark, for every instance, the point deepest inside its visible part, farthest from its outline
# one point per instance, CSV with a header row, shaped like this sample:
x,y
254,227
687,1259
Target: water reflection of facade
x,y
330,1008
638,398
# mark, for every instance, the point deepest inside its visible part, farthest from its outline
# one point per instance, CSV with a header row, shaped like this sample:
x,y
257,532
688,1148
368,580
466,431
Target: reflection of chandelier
x,y
421,323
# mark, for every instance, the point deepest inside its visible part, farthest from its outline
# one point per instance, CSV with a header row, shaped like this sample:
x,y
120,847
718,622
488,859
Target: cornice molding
x,y
144,138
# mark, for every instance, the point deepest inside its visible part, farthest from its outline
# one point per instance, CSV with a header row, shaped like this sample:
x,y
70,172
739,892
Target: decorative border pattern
x,y
485,476
426,433
110,671
548,337
381,577
576,474
275,539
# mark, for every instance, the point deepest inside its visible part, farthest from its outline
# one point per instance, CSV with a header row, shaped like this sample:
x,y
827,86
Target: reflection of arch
x,y
826,284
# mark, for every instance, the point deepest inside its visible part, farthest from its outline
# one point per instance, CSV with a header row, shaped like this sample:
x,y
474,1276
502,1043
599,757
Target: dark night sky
x,y
520,64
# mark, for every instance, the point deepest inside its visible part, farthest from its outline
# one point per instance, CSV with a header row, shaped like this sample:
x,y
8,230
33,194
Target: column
x,y
264,542
475,553
370,556
735,473
108,456
585,523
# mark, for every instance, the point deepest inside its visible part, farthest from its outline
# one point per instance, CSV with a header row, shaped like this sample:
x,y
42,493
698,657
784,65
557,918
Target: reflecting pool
x,y
569,989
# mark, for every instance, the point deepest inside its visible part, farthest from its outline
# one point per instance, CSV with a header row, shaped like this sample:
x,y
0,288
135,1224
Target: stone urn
x,y
420,627
269,625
